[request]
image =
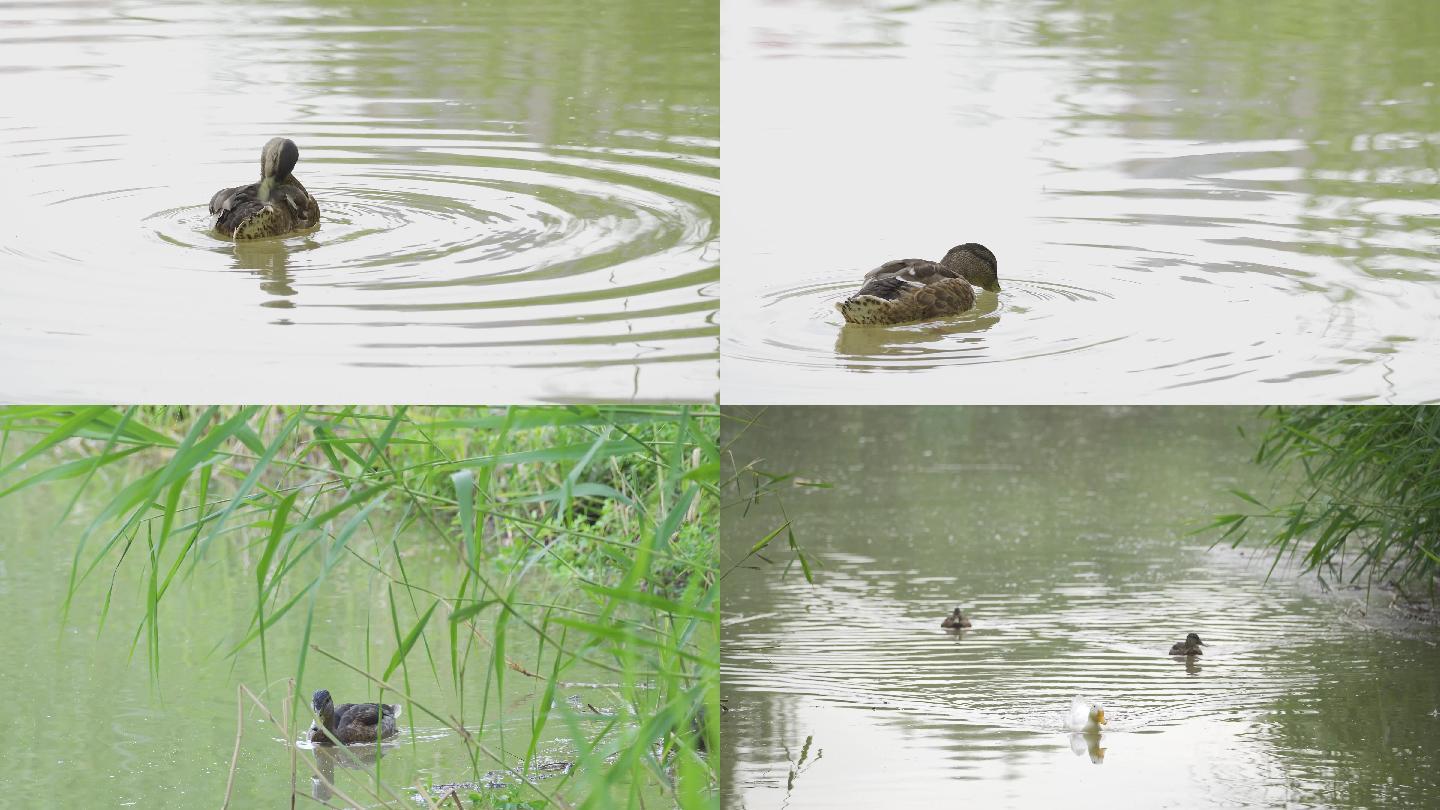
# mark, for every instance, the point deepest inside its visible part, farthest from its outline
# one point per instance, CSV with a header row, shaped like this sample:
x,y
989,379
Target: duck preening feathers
x,y
274,206
908,290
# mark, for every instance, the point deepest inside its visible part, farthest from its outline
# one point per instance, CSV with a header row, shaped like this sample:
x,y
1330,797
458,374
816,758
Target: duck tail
x,y
864,309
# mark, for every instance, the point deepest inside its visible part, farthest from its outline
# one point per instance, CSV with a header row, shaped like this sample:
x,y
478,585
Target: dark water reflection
x,y
1064,535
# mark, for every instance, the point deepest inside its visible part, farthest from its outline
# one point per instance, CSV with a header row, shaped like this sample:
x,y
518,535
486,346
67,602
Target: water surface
x,y
1189,203
516,198
1064,534
90,727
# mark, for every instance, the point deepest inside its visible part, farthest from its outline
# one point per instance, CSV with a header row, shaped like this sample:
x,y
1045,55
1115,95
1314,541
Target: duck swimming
x,y
907,290
955,621
351,722
1190,646
1086,718
274,206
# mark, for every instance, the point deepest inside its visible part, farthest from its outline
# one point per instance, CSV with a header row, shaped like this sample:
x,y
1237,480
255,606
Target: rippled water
x,y
516,198
1064,536
1188,204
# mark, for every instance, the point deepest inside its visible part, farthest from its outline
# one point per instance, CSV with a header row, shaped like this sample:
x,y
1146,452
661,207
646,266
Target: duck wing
x,y
240,212
368,714
233,207
301,206
918,270
886,287
227,198
890,280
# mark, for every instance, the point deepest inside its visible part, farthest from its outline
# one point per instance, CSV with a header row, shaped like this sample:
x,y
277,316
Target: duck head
x,y
1097,714
1193,640
1086,717
976,263
277,161
322,704
278,158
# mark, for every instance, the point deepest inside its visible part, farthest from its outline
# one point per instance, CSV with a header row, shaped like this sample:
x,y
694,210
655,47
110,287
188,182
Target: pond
x,y
1066,537
94,724
1189,203
515,197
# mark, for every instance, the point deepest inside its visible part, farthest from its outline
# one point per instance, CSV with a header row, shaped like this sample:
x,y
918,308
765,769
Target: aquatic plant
x,y
748,483
1366,487
617,501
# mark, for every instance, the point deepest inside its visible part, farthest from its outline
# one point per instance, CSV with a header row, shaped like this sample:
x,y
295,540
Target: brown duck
x,y
274,206
955,621
1190,646
908,290
351,722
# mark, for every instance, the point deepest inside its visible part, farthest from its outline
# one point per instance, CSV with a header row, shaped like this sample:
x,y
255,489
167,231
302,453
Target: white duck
x,y
1086,717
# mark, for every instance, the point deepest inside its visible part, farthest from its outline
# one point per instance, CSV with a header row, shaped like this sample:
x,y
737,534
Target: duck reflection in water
x,y
913,340
269,261
1085,721
1082,743
360,758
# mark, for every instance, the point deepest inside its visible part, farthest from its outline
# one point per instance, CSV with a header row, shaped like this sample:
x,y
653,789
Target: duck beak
x,y
1100,717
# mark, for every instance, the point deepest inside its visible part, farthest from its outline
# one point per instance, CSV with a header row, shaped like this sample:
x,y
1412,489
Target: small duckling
x,y
1190,646
908,290
955,621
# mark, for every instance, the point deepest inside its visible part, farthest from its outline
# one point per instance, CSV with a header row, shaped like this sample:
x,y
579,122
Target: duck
x,y
351,722
1086,717
909,290
955,621
1190,646
276,205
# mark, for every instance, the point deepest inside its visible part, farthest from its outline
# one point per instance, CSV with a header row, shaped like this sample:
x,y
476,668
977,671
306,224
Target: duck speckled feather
x,y
351,722
907,290
274,206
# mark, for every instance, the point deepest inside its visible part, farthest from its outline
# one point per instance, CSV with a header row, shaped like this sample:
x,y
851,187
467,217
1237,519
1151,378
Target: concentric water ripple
x,y
803,328
1238,238
560,240
1063,534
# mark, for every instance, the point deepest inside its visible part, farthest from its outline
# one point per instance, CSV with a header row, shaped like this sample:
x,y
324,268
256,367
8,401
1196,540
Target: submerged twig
x,y
235,756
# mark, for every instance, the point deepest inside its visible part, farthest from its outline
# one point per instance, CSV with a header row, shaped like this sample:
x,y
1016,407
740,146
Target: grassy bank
x,y
615,503
1366,494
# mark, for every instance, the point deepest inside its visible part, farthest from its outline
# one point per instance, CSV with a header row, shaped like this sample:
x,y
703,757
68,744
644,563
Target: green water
x,y
89,727
1063,533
